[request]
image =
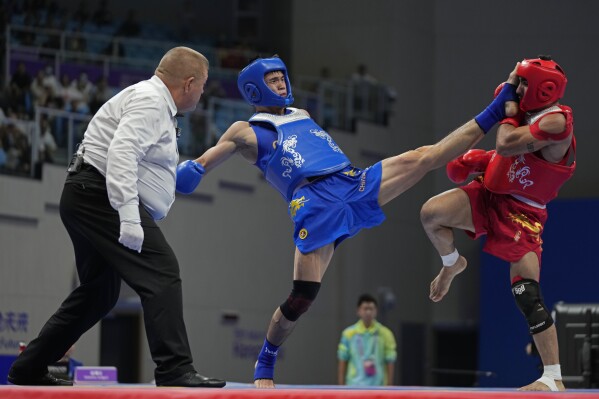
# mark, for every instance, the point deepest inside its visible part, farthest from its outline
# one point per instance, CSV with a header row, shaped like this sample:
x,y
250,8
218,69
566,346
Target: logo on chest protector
x,y
519,170
296,158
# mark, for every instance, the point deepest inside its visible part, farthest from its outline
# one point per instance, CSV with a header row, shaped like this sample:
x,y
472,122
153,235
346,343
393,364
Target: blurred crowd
x,y
28,139
18,101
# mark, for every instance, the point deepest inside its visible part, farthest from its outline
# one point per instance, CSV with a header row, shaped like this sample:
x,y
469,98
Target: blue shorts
x,y
336,207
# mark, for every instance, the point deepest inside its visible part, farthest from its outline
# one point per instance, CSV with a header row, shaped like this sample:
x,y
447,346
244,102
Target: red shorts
x,y
513,228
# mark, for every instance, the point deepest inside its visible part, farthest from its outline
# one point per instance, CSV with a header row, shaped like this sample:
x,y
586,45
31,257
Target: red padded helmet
x,y
546,82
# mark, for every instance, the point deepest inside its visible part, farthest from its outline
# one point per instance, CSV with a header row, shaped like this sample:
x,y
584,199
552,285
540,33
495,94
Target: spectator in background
x,y
19,89
39,91
372,100
51,82
21,79
18,151
362,76
99,95
74,100
84,86
364,89
367,350
65,93
47,144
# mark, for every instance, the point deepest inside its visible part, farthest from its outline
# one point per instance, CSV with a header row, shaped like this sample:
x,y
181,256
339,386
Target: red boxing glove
x,y
474,161
478,159
457,171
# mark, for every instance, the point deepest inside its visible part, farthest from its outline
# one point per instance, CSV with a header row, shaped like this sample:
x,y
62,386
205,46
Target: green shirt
x,y
375,345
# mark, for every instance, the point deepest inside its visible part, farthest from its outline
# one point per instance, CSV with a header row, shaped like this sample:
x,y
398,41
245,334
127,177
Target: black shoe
x,y
193,380
47,379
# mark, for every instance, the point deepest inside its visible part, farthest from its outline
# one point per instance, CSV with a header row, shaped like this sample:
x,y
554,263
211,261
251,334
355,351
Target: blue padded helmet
x,y
253,88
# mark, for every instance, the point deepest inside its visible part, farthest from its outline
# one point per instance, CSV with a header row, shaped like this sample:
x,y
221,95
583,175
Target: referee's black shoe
x,y
192,379
47,380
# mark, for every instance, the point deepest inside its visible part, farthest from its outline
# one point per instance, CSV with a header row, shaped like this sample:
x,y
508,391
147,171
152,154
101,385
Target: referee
x,y
121,180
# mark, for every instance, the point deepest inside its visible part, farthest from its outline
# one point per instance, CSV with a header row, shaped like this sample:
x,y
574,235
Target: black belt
x,y
90,167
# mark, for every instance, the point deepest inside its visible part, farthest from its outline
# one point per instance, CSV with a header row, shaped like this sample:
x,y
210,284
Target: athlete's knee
x,y
299,301
429,213
527,294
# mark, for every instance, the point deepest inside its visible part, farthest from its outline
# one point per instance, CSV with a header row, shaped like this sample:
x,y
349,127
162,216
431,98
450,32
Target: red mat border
x,y
13,392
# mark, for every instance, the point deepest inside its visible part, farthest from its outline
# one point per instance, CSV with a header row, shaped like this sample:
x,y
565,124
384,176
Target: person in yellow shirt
x,y
367,350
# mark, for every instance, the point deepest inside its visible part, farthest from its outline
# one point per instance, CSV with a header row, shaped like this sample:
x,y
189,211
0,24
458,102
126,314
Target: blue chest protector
x,y
303,149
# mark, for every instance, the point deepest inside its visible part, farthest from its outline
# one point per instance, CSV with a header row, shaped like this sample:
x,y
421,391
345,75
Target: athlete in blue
x,y
329,199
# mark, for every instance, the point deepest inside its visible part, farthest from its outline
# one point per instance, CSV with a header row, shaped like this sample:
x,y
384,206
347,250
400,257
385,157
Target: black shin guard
x,y
527,294
300,299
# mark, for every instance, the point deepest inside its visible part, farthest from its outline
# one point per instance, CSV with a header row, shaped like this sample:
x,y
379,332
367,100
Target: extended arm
x,y
467,135
190,173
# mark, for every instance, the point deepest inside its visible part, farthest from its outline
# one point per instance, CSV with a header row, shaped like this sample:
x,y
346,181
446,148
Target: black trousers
x,y
102,262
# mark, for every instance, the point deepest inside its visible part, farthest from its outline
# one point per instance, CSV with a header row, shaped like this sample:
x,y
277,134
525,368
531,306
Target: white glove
x,y
132,235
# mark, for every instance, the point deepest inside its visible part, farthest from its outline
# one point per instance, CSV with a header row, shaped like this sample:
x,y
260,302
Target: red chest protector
x,y
529,175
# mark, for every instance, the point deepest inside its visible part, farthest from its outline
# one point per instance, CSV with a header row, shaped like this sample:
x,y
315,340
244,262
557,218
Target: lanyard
x,y
373,346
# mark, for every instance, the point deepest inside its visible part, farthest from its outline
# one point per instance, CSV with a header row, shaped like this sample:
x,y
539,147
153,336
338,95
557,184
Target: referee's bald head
x,y
182,63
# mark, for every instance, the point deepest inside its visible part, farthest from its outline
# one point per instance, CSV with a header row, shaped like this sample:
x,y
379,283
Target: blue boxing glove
x,y
496,110
189,174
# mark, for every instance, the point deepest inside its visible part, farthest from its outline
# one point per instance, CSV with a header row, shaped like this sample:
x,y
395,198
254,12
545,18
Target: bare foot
x,y
264,383
541,386
440,285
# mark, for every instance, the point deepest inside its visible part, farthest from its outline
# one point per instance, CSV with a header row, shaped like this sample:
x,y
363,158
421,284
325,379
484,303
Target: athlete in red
x,y
534,157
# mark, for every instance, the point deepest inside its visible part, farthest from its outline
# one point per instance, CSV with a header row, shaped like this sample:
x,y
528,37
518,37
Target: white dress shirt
x,y
132,141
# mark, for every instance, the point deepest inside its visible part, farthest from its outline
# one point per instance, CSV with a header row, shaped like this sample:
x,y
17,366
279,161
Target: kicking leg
x,y
307,274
